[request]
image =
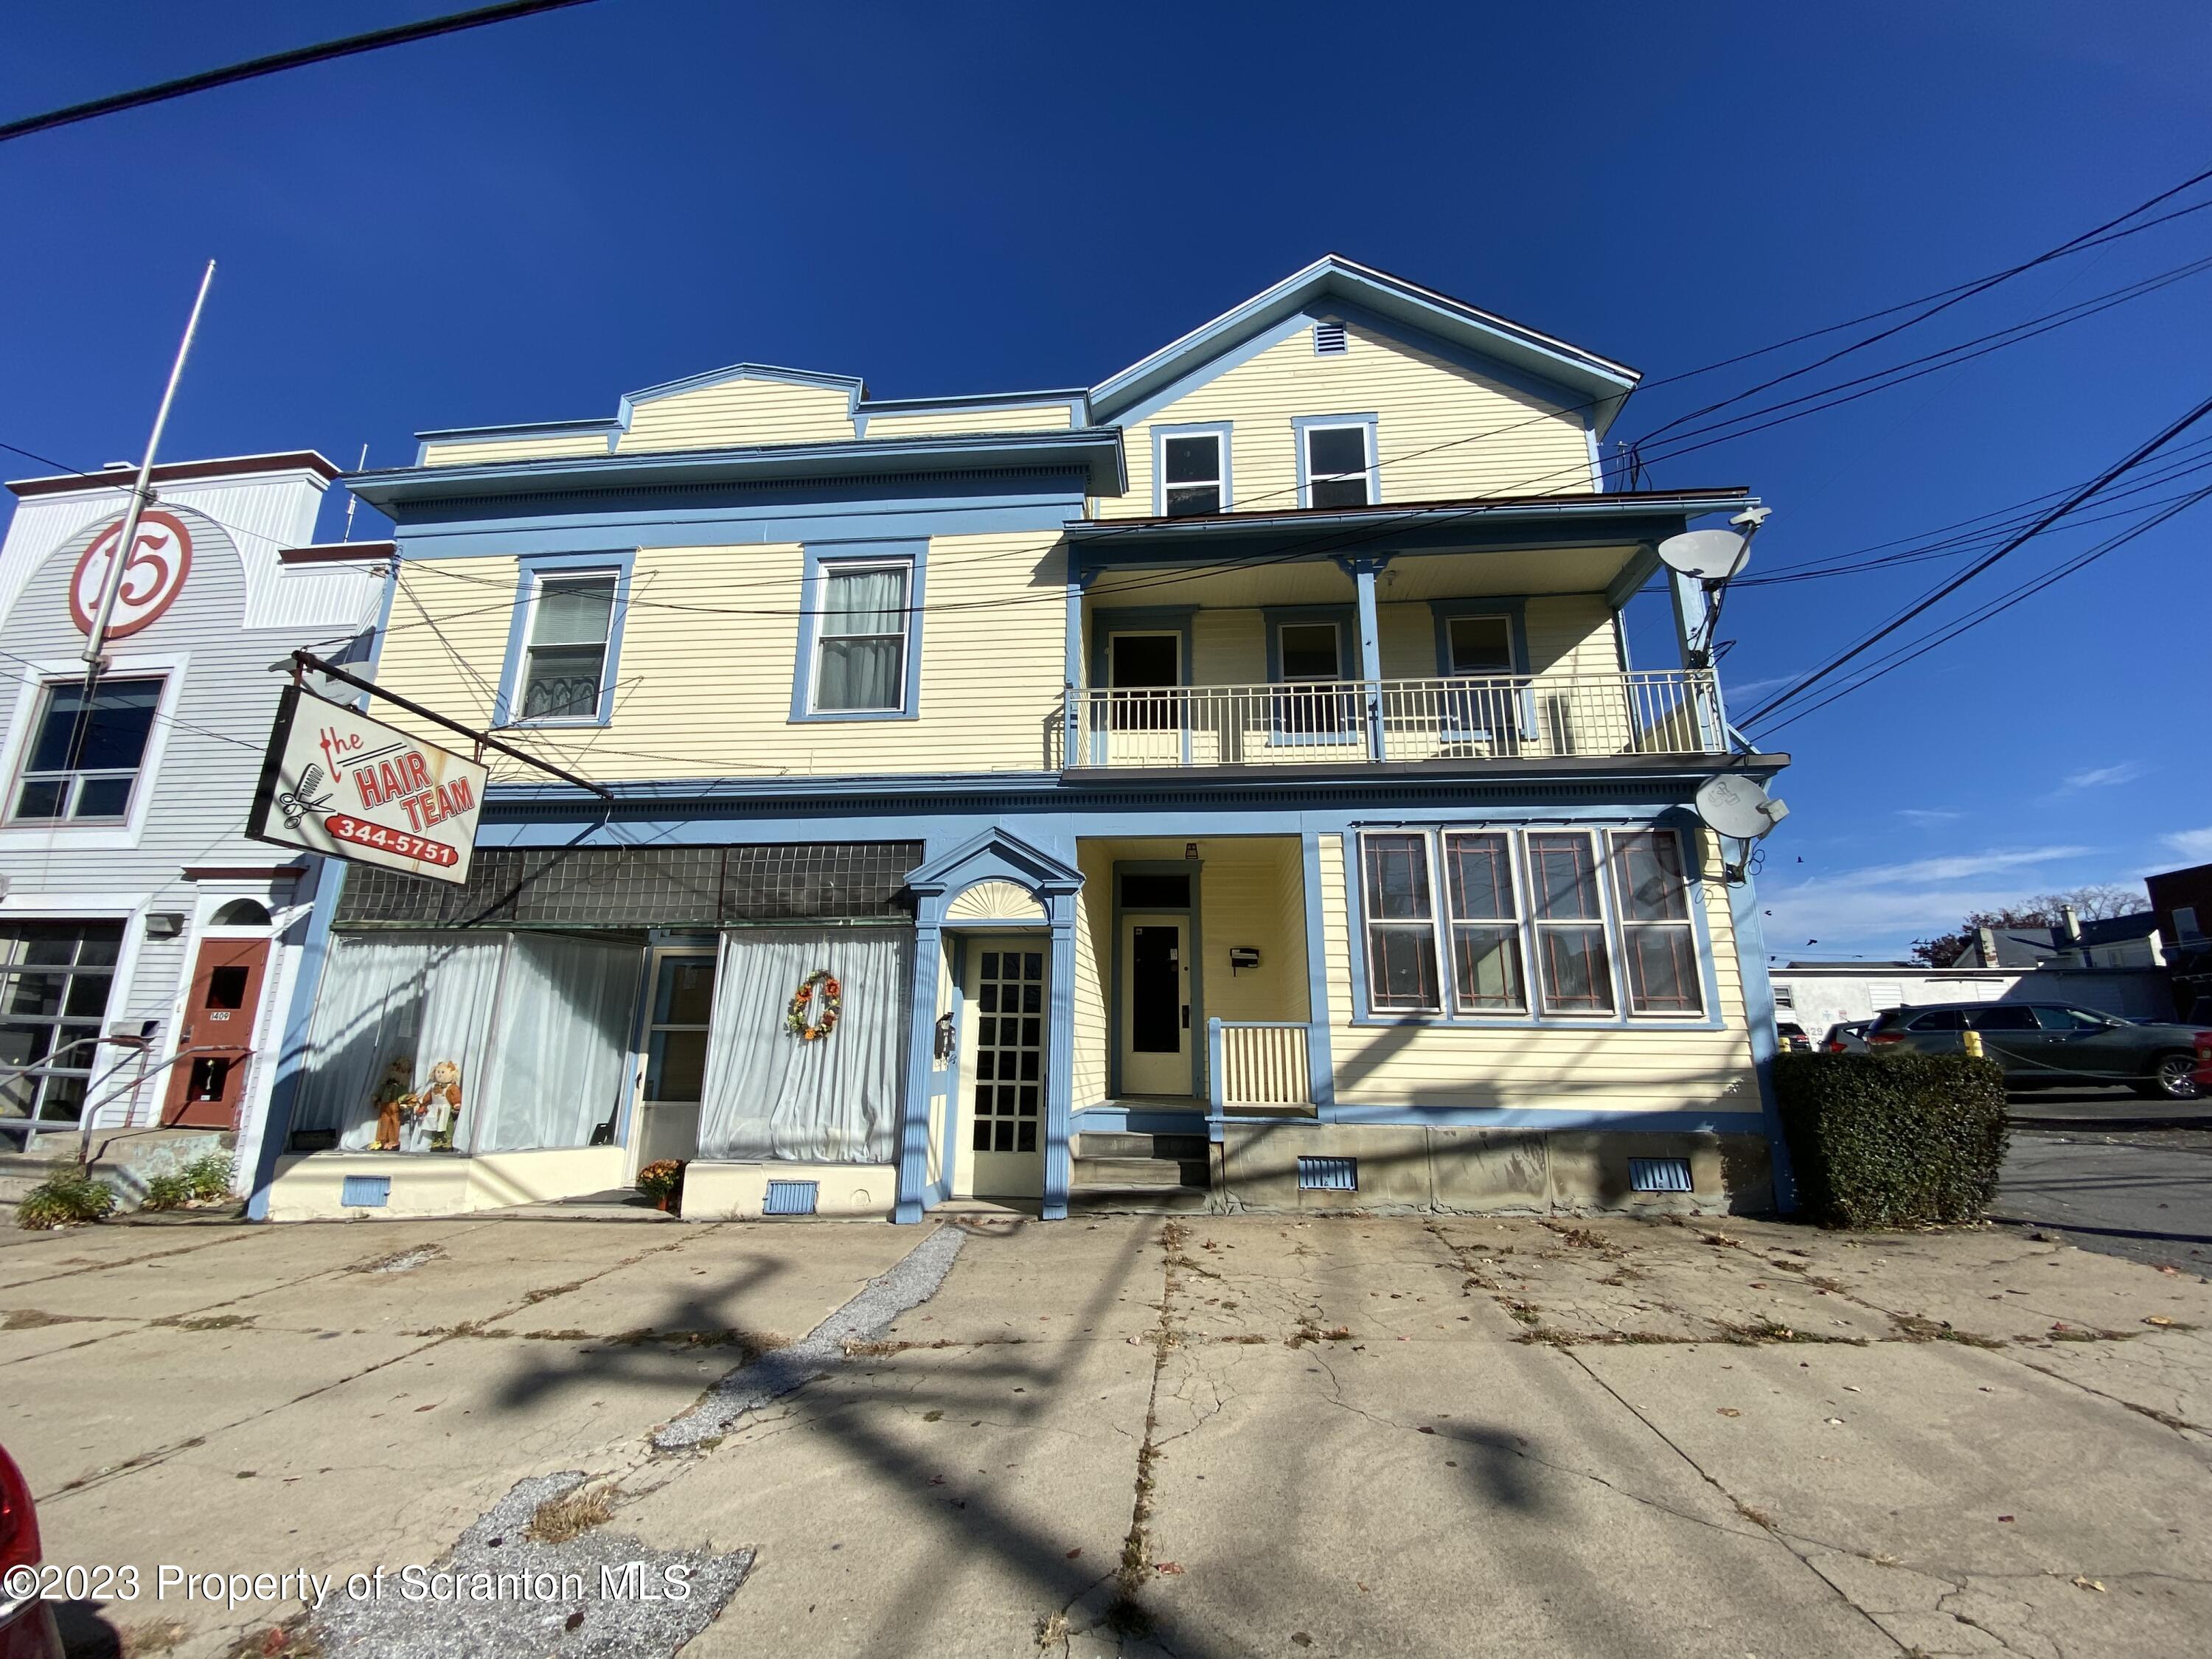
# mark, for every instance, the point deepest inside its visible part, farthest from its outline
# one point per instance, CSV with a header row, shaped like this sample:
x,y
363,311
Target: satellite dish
x,y
1737,807
1712,556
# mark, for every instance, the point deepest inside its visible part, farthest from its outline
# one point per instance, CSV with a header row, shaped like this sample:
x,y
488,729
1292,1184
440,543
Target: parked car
x,y
1792,1035
1847,1038
26,1623
2044,1042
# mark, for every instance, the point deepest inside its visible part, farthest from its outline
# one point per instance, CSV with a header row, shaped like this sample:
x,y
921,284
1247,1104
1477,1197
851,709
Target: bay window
x,y
1656,946
1573,969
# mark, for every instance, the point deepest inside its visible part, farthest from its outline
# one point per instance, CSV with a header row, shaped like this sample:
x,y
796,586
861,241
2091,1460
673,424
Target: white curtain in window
x,y
416,997
770,1095
862,630
562,1051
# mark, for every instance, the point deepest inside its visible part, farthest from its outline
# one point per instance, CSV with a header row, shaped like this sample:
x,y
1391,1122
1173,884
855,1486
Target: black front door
x,y
1156,990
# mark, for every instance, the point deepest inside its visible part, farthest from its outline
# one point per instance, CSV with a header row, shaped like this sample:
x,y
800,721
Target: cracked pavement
x,y
1191,1436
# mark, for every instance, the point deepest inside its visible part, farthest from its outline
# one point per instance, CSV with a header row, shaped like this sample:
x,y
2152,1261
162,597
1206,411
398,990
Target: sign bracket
x,y
303,661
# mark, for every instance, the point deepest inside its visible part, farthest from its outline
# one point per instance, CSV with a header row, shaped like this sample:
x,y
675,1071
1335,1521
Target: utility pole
x,y
95,645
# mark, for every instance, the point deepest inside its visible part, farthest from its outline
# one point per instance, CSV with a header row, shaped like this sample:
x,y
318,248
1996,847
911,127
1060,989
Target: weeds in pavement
x,y
1914,1329
70,1199
150,1637
1052,1632
573,1514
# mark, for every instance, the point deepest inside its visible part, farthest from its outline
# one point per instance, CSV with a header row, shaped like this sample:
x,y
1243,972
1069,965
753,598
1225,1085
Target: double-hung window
x,y
1485,921
1309,656
860,624
84,757
1191,477
1574,971
564,667
1401,928
1339,468
1659,951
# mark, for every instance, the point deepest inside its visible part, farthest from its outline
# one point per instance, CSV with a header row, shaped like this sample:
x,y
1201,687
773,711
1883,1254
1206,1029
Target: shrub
x,y
66,1200
1892,1140
172,1189
209,1175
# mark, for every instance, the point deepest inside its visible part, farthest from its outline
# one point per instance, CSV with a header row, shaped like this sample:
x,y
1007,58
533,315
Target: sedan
x,y
26,1623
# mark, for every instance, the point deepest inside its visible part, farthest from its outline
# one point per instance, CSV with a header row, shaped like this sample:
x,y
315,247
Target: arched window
x,y
240,913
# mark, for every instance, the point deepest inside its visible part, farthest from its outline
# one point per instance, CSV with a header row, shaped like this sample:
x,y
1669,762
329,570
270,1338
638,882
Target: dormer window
x,y
1339,464
1193,473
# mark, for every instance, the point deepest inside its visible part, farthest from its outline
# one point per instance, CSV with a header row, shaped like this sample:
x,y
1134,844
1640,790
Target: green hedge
x,y
1892,1140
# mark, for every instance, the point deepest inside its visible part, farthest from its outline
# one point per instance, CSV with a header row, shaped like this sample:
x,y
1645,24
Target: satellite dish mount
x,y
1738,809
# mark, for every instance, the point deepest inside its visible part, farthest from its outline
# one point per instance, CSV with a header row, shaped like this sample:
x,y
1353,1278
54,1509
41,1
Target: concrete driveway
x,y
1195,1437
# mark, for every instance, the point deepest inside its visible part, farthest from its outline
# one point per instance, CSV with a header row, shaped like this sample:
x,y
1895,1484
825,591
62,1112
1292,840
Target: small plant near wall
x,y
209,1175
172,1189
70,1199
662,1182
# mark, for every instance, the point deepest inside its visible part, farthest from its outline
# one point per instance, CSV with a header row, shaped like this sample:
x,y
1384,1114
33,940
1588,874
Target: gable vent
x,y
1329,340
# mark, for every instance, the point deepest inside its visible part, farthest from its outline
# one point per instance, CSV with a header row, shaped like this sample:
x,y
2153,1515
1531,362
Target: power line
x,y
278,62
2004,601
2135,458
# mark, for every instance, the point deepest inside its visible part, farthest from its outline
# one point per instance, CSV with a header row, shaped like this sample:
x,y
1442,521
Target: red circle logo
x,y
153,575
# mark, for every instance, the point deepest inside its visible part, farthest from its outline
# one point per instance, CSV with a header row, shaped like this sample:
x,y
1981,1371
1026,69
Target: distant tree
x,y
2098,902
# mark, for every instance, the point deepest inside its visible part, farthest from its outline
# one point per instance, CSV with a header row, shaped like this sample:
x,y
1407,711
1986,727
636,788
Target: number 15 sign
x,y
336,782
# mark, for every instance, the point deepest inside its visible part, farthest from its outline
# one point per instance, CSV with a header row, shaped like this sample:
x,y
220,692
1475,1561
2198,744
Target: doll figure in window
x,y
394,1096
440,1105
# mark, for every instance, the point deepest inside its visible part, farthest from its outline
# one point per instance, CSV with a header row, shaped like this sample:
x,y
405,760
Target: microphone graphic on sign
x,y
296,804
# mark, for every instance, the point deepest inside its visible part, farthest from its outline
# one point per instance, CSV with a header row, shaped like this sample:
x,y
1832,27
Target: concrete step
x,y
1129,1172
1146,1200
1123,1143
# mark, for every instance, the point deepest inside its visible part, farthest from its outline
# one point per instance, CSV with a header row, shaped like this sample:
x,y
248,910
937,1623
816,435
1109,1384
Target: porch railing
x,y
1256,1065
1299,723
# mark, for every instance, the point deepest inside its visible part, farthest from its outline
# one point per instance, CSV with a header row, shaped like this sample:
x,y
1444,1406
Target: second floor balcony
x,y
1521,717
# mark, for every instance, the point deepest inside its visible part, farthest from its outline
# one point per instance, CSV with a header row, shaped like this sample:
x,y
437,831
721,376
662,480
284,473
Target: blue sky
x,y
524,222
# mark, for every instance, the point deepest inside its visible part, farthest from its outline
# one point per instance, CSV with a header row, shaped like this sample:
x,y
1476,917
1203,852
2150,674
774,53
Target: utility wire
x,y
278,62
2135,458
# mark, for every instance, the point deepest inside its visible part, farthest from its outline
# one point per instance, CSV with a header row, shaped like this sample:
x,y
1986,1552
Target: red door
x,y
207,1084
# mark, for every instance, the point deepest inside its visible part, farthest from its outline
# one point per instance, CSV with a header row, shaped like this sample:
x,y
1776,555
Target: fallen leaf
x,y
432,1407
2004,1517
1888,1561
1835,1422
1174,1567
1425,1429
1072,1553
931,1416
2158,1319
2081,1583
1731,1411
1302,1638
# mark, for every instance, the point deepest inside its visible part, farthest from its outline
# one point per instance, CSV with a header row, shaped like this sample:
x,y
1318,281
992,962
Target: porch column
x,y
1758,1009
1363,569
299,1023
1690,609
1071,728
1059,1061
921,1030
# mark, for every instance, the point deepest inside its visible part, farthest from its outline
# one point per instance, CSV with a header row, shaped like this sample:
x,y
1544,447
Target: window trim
x,y
1221,430
1698,873
819,560
99,835
1687,923
1304,424
534,568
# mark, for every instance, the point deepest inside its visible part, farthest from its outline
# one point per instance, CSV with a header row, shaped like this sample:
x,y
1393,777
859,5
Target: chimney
x,y
2071,919
1988,941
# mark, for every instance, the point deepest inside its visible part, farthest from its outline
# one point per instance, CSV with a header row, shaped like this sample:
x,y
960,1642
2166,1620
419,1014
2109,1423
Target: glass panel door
x,y
1008,1028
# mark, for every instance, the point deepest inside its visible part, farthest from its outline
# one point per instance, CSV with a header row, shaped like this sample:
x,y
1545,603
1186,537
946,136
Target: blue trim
x,y
1094,452
1201,1067
1601,824
911,1199
1758,1007
1495,340
1223,431
821,555
1060,1066
1321,1087
534,566
1300,425
1628,1122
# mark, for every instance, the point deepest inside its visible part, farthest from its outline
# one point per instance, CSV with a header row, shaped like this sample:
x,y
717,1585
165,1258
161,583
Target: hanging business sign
x,y
153,574
336,782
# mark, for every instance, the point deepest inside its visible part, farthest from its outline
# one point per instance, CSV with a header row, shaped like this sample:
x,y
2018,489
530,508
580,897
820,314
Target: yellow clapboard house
x,y
1225,785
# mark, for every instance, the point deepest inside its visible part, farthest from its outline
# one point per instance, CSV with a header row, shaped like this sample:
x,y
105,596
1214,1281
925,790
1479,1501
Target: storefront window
x,y
54,983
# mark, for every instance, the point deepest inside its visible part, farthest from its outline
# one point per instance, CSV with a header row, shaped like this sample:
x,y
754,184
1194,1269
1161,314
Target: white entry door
x,y
1002,1066
1156,1008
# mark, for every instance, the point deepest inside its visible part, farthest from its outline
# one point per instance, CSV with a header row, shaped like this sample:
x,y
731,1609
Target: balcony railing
x,y
1520,717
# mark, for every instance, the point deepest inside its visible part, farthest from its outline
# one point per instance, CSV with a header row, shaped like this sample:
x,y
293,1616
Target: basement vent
x,y
1328,1175
1659,1174
1329,340
366,1191
791,1197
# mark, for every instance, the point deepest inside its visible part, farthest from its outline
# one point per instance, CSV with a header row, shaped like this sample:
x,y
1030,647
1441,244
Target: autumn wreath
x,y
809,1021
